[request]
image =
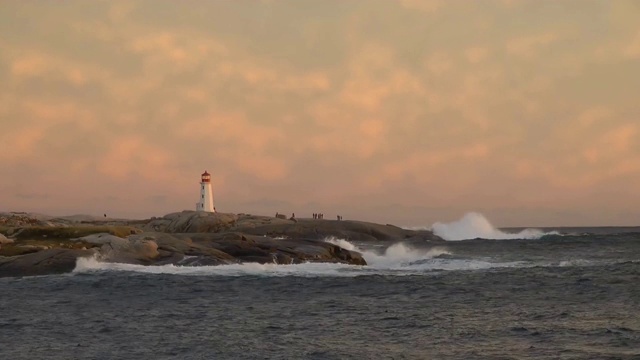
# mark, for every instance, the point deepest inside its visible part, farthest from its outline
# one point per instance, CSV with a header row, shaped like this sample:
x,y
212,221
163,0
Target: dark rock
x,y
190,238
45,262
130,250
265,249
181,245
349,230
4,240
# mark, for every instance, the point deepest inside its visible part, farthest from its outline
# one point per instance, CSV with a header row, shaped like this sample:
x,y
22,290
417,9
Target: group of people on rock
x,y
321,216
317,216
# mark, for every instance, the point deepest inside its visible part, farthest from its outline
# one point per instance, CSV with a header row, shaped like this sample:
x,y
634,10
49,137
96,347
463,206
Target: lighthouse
x,y
206,194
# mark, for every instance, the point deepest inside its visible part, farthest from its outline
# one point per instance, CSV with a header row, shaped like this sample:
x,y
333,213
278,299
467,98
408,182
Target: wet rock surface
x,y
41,245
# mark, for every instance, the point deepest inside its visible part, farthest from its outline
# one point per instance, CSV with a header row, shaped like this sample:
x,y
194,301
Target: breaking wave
x,y
91,264
398,259
474,225
396,256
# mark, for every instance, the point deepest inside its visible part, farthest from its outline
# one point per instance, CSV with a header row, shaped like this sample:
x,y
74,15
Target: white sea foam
x,y
474,225
398,259
396,256
84,265
576,262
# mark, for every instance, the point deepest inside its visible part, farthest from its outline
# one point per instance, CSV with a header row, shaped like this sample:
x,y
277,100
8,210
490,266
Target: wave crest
x,y
474,225
393,257
398,259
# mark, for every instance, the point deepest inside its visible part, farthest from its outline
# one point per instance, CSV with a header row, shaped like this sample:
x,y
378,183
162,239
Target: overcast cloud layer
x,y
407,111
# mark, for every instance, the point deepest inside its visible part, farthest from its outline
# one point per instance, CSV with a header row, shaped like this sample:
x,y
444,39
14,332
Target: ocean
x,y
555,294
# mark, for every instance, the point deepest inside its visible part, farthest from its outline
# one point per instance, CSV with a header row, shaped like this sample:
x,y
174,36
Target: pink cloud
x,y
427,6
528,46
439,63
374,76
177,48
50,113
39,119
632,50
120,11
241,144
452,121
22,144
30,65
613,145
267,76
476,54
36,64
430,162
585,152
134,156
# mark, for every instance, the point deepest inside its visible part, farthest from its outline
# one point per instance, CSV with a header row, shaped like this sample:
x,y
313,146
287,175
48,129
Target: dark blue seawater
x,y
559,297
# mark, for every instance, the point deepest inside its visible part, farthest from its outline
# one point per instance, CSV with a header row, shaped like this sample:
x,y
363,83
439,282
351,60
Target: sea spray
x,y
474,225
398,260
92,264
393,257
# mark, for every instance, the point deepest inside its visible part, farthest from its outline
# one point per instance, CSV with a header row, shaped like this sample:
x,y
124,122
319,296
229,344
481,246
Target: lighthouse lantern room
x,y
206,194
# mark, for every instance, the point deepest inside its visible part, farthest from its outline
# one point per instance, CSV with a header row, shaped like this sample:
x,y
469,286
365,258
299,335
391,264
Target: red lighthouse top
x,y
206,177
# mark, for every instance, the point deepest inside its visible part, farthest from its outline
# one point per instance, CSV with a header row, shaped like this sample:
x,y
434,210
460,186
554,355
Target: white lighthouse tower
x,y
206,194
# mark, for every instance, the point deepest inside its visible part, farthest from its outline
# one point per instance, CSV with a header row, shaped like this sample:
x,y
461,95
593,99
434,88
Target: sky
x,y
394,111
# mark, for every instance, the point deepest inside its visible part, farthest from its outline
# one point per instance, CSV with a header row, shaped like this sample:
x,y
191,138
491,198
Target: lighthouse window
x,y
203,196
202,187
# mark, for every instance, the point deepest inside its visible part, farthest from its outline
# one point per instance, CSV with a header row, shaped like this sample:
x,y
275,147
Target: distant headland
x,y
34,244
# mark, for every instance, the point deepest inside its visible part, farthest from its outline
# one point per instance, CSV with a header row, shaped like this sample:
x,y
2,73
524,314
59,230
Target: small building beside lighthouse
x,y
206,194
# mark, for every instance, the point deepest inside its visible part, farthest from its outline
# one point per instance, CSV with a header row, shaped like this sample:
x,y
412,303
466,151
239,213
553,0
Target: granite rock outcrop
x,y
188,238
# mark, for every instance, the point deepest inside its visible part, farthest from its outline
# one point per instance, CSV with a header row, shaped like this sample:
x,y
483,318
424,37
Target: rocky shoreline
x,y
33,244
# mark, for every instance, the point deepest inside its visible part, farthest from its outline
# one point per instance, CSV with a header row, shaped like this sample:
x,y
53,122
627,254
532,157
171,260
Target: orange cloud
x,y
439,63
119,11
528,46
30,65
262,167
366,91
26,65
427,6
35,120
246,145
632,50
476,54
614,144
272,77
592,116
585,151
453,105
182,50
22,144
344,131
134,156
429,162
50,113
